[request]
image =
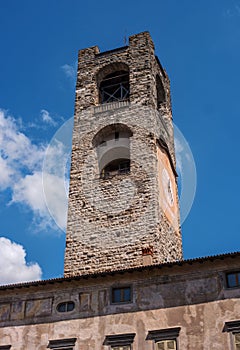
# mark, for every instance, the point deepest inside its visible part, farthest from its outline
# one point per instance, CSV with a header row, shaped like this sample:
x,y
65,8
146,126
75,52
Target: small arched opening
x,y
112,145
161,97
113,83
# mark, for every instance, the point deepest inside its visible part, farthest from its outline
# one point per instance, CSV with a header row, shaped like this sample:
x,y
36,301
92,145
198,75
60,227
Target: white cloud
x,y
178,150
233,11
70,70
6,173
45,115
47,202
17,152
29,190
55,181
178,145
21,164
13,265
56,198
237,7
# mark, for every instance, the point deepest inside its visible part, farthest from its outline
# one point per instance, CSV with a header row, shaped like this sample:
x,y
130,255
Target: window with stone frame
x,y
166,345
61,348
237,340
115,87
165,339
62,344
66,306
120,341
113,83
233,279
233,327
121,295
5,347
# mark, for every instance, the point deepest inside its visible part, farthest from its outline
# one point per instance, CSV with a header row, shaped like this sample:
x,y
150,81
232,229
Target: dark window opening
x,y
121,295
116,167
60,344
233,279
161,98
103,143
120,341
115,87
166,345
66,306
63,348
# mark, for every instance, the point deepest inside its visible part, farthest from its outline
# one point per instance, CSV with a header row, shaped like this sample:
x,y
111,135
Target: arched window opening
x,y
115,87
161,98
112,145
66,306
116,167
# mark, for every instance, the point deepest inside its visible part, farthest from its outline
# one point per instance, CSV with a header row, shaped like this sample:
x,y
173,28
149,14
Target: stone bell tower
x,y
123,202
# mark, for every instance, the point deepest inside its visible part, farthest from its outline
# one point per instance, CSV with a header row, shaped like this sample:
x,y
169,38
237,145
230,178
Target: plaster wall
x,y
193,297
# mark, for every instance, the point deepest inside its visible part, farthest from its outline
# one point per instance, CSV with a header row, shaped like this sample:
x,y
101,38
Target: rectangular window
x,y
62,344
165,339
119,341
233,327
121,295
233,279
166,345
63,348
237,340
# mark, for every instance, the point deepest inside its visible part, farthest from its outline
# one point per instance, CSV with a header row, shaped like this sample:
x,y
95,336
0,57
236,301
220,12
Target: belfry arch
x,y
112,144
113,83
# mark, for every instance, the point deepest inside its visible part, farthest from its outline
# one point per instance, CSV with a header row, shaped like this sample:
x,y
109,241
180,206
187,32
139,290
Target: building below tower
x,y
178,305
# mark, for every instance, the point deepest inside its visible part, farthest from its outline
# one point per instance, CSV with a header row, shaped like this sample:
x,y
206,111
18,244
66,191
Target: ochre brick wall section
x,y
113,221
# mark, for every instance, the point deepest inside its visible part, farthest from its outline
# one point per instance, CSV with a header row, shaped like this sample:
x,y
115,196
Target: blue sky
x,y
198,43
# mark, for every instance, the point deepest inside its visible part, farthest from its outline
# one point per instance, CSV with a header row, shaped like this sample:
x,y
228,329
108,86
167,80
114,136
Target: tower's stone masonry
x,y
132,218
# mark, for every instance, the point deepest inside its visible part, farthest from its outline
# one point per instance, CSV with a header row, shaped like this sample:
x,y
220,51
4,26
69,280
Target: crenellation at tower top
x,y
138,57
